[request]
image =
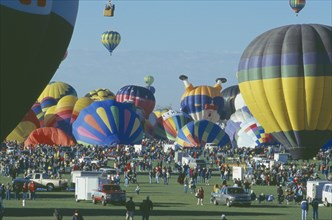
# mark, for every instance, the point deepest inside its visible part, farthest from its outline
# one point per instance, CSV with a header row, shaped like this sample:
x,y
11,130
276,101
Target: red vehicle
x,y
109,193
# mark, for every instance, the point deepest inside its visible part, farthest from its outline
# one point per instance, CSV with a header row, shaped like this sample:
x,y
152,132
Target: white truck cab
x,y
327,194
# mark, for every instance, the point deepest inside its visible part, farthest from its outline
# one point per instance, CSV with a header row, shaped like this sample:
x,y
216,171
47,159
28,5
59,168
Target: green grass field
x,y
170,202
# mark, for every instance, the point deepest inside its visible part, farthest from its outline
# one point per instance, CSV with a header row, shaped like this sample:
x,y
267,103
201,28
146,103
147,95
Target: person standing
x,y
280,193
25,190
138,189
200,196
57,214
32,189
314,205
146,208
305,209
130,206
77,216
8,190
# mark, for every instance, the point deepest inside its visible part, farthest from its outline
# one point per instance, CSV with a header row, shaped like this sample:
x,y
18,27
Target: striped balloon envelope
x,y
24,128
57,90
106,123
202,102
198,133
47,102
100,94
173,121
36,108
297,5
141,97
79,106
153,126
285,78
110,39
63,111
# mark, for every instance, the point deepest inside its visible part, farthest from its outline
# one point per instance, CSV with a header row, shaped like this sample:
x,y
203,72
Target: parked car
x,y
231,196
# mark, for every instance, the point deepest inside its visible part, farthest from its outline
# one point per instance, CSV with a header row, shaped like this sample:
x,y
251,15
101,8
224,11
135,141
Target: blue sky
x,y
202,39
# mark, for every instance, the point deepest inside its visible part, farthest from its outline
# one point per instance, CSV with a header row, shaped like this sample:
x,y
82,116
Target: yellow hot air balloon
x,y
285,78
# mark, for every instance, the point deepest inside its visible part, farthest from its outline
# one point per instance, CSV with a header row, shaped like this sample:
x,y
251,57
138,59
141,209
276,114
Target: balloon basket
x,y
108,12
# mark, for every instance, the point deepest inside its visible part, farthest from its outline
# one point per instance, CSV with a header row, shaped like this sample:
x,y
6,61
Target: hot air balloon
x,y
50,117
198,133
229,94
148,81
30,64
106,123
24,128
141,97
297,5
100,94
64,110
246,130
202,102
285,78
173,121
57,90
47,102
153,126
49,136
36,108
79,105
110,39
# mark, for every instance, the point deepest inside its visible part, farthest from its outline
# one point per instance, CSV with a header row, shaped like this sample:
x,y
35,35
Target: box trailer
x,y
84,187
80,173
315,189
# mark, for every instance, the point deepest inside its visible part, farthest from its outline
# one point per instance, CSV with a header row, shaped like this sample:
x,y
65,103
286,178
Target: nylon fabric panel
x,y
258,103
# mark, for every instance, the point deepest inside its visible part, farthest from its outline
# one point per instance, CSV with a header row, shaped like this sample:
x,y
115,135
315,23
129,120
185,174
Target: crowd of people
x,y
160,165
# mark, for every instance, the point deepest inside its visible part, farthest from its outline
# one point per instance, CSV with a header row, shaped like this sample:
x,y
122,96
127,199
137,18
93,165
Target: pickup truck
x,y
231,196
42,180
108,193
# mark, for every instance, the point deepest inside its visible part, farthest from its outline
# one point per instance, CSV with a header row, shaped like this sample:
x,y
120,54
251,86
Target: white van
x,y
327,194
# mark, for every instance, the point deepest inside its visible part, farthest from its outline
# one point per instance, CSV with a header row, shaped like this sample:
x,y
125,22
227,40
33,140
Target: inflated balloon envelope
x,y
285,78
34,37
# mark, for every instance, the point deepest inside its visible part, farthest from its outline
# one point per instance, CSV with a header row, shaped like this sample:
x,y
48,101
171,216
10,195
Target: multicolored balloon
x,y
248,132
202,102
285,78
30,64
57,90
106,123
36,108
79,106
64,110
198,133
110,39
173,121
297,5
153,126
100,94
141,97
24,128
